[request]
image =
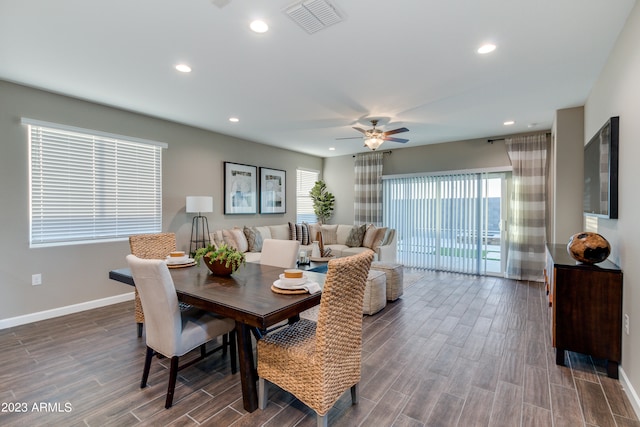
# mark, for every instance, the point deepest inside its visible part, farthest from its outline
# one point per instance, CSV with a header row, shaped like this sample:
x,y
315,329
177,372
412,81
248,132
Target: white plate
x,y
293,282
288,286
179,260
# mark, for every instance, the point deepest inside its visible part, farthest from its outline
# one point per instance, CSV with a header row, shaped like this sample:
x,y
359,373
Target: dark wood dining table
x,y
245,297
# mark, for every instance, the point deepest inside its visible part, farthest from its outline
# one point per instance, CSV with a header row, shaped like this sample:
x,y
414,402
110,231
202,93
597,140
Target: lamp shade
x,y
197,204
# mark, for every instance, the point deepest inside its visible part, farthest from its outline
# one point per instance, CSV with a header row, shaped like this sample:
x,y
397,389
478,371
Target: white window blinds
x,y
88,186
305,180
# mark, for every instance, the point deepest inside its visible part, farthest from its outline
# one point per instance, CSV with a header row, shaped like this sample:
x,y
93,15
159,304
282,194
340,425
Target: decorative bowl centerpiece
x,y
588,247
221,261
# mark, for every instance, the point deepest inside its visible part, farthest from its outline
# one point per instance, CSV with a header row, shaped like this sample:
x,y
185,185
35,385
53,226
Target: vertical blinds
x,y
305,180
439,220
87,186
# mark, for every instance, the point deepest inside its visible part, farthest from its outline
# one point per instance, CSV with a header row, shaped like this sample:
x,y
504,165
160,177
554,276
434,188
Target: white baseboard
x,y
630,391
62,311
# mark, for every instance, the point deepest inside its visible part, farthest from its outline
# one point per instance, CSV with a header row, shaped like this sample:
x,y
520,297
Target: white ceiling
x,y
410,63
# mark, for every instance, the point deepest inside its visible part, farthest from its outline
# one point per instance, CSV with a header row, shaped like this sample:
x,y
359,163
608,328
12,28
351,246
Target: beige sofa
x,y
342,239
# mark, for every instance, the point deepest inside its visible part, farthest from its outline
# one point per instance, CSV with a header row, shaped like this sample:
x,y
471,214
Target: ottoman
x,y
394,273
375,294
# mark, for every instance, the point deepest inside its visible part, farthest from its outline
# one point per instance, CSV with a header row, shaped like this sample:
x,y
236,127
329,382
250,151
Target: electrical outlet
x,y
626,324
36,279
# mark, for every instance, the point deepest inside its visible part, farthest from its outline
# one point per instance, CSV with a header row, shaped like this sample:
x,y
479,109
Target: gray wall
x,y
192,165
565,199
617,93
460,155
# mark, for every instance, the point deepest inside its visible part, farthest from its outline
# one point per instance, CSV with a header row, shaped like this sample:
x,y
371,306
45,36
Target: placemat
x,y
191,264
320,259
288,291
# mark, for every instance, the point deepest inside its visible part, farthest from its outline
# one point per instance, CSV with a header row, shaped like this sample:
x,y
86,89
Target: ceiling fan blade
x,y
394,131
360,130
351,137
396,140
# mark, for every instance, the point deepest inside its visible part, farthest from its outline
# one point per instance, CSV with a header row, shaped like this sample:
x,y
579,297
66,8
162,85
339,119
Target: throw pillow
x,y
279,231
292,231
254,239
314,229
356,236
369,236
236,238
380,235
302,233
329,234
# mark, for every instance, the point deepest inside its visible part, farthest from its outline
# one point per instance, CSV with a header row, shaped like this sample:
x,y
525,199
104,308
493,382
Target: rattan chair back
x,y
149,246
318,362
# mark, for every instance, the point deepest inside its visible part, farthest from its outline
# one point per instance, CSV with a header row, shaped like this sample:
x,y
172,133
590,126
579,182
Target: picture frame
x,y
240,189
273,191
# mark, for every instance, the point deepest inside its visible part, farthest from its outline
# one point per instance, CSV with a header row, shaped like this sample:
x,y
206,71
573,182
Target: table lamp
x,y
199,224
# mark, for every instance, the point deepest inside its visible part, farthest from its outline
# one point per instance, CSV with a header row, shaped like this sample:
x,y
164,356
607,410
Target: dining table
x,y
246,296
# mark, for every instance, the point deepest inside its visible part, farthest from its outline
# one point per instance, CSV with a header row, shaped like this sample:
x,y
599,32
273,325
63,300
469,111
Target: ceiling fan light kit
x,y
373,138
373,143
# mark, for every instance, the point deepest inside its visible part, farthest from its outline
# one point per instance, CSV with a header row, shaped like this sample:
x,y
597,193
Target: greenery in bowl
x,y
224,254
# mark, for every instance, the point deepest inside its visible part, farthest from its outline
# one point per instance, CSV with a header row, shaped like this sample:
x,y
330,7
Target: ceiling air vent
x,y
313,15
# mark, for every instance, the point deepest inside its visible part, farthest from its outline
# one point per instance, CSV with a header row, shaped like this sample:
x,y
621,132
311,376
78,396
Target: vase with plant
x,y
323,201
222,261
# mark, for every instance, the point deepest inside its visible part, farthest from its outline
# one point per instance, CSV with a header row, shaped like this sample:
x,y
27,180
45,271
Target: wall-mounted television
x,y
601,172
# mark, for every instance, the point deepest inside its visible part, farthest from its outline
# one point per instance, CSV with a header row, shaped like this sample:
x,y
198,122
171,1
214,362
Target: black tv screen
x,y
601,172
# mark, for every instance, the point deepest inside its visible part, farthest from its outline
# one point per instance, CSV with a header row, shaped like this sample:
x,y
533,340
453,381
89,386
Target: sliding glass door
x,y
447,222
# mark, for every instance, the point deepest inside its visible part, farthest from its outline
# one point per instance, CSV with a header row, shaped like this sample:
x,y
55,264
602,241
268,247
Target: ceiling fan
x,y
373,138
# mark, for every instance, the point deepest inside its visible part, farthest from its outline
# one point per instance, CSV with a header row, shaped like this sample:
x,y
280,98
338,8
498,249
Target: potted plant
x,y
323,201
222,261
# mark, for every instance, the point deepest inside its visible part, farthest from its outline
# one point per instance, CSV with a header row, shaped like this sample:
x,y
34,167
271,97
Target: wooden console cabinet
x,y
586,303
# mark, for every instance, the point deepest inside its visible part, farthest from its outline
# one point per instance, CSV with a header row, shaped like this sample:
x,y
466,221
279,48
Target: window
x,y
305,180
88,186
449,222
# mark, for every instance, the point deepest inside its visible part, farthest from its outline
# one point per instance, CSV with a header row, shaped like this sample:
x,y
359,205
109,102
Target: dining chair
x,y
172,332
149,246
280,253
318,362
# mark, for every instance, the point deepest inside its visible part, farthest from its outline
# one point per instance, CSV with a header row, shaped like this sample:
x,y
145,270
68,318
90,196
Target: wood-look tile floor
x,y
454,350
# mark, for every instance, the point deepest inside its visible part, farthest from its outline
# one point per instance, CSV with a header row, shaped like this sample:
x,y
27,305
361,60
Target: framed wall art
x,y
240,189
273,186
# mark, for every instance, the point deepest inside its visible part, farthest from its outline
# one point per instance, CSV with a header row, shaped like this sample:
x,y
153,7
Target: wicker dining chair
x,y
149,246
318,362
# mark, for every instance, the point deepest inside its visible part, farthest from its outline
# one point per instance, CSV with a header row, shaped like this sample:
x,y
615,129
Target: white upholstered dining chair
x,y
280,253
170,331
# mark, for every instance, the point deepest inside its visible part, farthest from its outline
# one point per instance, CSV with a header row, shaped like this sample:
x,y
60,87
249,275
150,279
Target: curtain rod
x,y
383,152
492,140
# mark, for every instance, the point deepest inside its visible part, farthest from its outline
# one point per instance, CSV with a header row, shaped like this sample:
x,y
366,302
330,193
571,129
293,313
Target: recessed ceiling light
x,y
183,68
259,26
486,48
332,148
509,123
234,119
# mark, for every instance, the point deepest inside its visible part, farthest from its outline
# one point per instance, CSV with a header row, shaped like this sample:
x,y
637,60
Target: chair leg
x,y
203,350
225,343
263,390
233,351
173,375
354,394
147,366
323,420
139,330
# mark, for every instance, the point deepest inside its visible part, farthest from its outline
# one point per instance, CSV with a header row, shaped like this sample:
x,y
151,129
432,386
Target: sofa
x,y
342,239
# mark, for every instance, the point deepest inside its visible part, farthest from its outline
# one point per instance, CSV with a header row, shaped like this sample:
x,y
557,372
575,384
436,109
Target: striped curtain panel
x,y
368,189
526,253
